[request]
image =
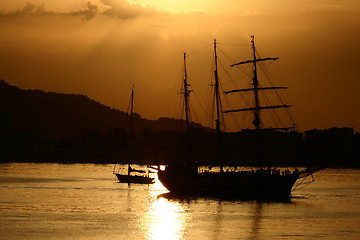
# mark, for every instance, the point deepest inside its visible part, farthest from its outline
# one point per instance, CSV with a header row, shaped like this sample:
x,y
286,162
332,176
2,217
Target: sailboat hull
x,y
240,185
134,179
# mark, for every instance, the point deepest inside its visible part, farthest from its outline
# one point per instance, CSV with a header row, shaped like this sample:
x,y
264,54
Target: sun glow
x,y
173,5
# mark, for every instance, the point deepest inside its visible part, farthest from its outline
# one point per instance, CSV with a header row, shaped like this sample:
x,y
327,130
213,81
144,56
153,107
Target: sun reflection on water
x,y
165,219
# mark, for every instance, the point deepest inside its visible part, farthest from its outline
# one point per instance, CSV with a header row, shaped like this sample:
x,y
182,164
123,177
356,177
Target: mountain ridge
x,y
38,126
60,115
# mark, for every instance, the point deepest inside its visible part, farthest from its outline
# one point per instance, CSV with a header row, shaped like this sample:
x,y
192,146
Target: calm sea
x,y
83,201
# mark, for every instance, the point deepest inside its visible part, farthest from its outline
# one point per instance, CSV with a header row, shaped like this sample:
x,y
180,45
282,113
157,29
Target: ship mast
x,y
256,88
187,109
257,108
218,105
256,122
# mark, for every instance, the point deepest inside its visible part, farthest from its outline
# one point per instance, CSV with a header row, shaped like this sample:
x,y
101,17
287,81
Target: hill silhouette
x,y
38,126
58,115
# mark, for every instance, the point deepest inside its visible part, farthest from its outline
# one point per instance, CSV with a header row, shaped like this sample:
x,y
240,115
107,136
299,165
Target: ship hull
x,y
134,179
240,185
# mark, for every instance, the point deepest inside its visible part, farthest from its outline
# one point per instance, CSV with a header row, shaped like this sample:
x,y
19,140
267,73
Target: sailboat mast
x,y
256,122
131,110
217,99
186,101
130,125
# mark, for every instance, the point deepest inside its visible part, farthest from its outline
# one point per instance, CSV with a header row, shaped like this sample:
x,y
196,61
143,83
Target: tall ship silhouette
x,y
264,182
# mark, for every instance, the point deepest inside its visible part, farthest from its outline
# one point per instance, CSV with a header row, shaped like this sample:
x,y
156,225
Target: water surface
x,y
84,201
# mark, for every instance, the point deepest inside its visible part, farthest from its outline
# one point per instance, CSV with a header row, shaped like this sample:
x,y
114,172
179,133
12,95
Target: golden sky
x,y
102,47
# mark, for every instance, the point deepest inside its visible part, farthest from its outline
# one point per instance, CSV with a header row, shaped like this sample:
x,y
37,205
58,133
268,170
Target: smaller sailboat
x,y
144,178
133,175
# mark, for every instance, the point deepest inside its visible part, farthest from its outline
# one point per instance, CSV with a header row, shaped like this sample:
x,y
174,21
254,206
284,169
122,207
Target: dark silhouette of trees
x,y
37,126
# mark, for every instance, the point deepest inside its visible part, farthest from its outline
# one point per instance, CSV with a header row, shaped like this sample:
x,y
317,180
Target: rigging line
x,y
190,114
196,92
276,118
181,113
211,114
226,72
212,117
268,76
231,79
288,110
208,116
221,115
210,111
232,115
297,187
189,99
212,96
281,82
272,112
233,60
212,106
210,103
134,115
291,117
198,50
281,75
180,108
178,103
173,98
245,70
267,73
192,107
229,56
203,108
224,97
127,114
260,51
193,116
236,45
199,99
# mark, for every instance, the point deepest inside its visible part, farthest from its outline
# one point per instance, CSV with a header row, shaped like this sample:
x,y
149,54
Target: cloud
x,y
120,9
88,13
31,10
28,10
